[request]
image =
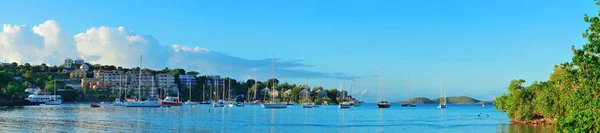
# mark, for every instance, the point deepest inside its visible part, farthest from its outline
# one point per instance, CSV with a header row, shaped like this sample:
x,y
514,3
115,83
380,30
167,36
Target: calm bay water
x,y
367,118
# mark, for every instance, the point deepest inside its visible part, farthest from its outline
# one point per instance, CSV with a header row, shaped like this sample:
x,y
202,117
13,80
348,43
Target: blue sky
x,y
476,46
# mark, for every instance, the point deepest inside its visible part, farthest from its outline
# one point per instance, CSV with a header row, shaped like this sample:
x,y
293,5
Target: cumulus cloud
x,y
48,42
119,46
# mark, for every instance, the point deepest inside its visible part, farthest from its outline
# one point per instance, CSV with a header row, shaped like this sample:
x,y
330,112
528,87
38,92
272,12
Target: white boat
x,y
55,100
308,103
273,104
118,102
229,104
139,103
35,98
218,104
344,105
143,104
190,103
442,100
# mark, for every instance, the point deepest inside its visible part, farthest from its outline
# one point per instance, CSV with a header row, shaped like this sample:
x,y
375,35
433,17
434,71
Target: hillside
x,y
418,100
450,100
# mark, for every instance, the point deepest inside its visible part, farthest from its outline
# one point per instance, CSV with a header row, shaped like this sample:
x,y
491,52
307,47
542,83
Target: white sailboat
x,y
256,101
56,100
383,103
139,102
308,103
273,104
189,101
118,101
344,104
442,100
354,102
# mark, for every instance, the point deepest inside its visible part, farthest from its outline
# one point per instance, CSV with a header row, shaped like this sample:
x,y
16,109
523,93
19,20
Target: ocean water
x,y
255,119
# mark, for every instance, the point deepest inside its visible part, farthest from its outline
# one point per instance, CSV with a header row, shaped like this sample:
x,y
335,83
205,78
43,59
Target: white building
x,y
84,67
68,63
166,81
146,82
187,80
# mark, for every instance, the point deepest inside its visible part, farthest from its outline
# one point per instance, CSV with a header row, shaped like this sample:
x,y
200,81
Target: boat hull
x,y
344,106
441,106
191,103
57,102
94,105
119,104
308,105
269,105
384,105
171,103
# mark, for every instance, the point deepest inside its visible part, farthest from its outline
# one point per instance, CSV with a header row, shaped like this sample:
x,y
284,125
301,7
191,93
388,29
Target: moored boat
x,y
171,101
383,103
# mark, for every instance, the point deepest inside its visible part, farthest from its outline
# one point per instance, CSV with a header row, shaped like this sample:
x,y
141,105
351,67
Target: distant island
x,y
451,100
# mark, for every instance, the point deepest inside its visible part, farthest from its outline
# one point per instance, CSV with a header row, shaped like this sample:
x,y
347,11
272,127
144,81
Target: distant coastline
x,y
451,100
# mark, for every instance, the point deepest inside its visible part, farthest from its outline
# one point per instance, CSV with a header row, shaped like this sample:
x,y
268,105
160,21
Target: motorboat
x,y
171,101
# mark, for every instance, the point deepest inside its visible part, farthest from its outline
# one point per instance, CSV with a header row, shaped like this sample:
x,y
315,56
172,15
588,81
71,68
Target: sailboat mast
x,y
409,95
343,83
140,79
255,89
190,98
307,90
379,86
203,94
273,83
55,89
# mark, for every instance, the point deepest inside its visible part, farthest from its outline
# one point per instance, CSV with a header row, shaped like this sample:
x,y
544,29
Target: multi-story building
x,y
68,63
215,80
166,81
79,61
145,80
77,74
187,80
85,82
112,77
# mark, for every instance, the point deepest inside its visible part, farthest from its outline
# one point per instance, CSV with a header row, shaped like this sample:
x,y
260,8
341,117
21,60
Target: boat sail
x,y
442,99
273,103
139,102
383,103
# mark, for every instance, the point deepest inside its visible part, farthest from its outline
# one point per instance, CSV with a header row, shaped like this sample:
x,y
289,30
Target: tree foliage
x,y
572,93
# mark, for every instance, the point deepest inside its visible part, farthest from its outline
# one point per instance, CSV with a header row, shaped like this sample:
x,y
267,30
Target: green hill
x,y
450,100
418,100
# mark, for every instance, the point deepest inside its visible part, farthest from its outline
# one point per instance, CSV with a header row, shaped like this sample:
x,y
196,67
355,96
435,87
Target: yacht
x,y
383,103
139,103
190,102
35,98
308,103
344,104
273,104
442,100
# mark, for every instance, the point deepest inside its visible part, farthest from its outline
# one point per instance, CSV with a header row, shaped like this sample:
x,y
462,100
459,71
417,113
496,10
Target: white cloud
x,y
48,42
119,46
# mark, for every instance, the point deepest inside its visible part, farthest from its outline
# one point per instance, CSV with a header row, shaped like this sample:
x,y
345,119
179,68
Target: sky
x,y
475,46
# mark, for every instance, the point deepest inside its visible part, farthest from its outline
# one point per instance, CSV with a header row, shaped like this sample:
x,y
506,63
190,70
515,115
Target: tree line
x,y
571,95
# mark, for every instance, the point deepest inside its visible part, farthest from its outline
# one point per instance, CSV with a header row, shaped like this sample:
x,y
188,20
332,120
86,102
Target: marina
x,y
205,118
